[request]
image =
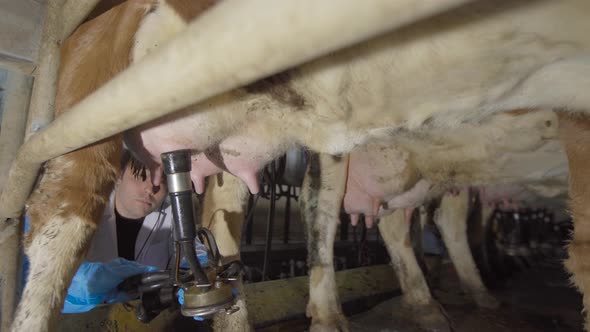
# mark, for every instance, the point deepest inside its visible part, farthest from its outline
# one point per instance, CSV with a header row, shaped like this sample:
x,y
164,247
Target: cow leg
x,y
417,232
223,214
417,302
574,133
64,211
321,197
54,254
451,219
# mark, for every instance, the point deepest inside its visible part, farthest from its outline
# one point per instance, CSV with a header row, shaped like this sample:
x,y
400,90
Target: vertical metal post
x,y
287,225
250,219
15,101
344,223
269,222
61,18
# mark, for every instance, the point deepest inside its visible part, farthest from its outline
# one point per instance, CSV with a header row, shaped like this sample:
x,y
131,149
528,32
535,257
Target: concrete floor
x,y
535,300
538,300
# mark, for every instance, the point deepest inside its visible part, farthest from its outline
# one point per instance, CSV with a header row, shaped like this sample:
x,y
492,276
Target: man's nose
x,y
150,188
156,189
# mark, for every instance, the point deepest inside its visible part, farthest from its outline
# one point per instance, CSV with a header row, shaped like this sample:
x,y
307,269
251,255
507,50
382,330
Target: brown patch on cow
x,y
101,7
519,112
548,123
189,9
97,51
79,183
278,87
574,133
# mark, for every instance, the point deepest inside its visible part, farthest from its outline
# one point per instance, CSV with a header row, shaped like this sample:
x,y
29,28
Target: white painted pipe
x,y
43,97
12,132
61,18
12,129
234,43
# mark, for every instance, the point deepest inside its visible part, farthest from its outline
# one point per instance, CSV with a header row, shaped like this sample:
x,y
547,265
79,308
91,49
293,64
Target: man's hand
x,y
96,283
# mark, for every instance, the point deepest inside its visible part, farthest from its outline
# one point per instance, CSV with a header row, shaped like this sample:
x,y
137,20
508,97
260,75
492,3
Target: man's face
x,y
135,198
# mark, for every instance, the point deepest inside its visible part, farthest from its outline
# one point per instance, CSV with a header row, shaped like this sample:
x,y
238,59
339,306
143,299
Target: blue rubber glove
x,y
181,301
431,243
96,283
25,258
203,260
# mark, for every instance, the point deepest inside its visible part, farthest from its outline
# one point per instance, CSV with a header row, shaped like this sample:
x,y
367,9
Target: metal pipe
x,y
177,167
41,108
61,18
249,219
15,99
287,226
344,222
224,48
16,103
270,221
17,91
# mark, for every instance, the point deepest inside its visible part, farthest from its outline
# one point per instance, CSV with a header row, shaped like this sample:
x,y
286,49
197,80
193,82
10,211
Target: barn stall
x,y
29,59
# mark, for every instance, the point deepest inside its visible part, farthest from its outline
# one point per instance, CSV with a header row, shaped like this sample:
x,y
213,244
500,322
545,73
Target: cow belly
x,y
376,173
353,96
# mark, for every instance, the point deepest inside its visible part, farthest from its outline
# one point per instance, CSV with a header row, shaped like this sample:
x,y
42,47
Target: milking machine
x,y
202,291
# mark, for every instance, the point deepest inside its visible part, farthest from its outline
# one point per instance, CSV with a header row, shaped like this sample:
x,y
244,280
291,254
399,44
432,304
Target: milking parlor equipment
x,y
202,291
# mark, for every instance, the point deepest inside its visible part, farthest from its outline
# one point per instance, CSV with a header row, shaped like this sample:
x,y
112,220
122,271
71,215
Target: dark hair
x,y
136,166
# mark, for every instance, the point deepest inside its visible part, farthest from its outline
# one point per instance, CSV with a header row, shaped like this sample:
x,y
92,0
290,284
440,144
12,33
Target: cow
x,y
388,180
458,67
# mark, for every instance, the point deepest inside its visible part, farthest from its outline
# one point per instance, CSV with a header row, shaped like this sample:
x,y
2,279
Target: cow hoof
x,y
486,301
430,317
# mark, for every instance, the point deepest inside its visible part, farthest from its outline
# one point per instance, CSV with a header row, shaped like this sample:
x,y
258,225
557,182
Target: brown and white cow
x,y
454,68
